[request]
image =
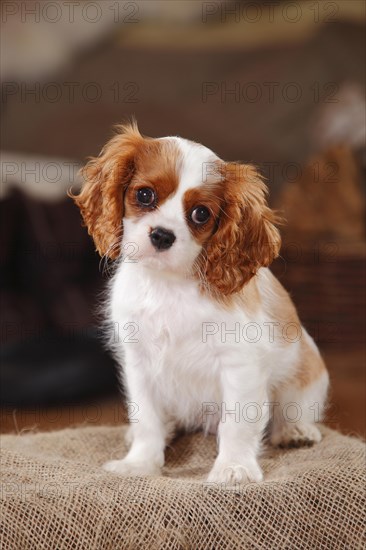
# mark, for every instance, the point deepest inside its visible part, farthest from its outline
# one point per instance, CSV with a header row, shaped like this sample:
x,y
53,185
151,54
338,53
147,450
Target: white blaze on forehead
x,y
197,166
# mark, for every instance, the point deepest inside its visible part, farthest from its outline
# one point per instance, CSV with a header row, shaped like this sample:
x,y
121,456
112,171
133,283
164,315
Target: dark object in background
x,y
55,369
51,351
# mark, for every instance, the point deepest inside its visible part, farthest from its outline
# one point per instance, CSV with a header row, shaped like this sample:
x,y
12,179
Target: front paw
x,y
127,467
232,473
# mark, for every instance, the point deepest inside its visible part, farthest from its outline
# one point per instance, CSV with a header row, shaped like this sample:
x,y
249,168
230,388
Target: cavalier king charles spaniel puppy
x,y
205,336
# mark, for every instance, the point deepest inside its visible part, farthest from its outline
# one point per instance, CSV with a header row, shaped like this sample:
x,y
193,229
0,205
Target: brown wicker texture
x,y
323,258
327,285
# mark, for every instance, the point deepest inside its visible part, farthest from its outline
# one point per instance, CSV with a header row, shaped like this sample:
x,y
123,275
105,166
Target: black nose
x,y
161,238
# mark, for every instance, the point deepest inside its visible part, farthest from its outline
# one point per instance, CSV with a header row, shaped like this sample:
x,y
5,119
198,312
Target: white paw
x,y
296,435
127,467
231,473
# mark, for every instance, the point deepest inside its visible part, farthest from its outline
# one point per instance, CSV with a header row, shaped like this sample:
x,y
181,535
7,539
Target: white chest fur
x,y
173,336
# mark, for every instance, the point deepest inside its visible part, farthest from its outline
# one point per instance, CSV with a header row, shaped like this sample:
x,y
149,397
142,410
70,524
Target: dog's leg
x,y
299,404
295,412
147,433
244,415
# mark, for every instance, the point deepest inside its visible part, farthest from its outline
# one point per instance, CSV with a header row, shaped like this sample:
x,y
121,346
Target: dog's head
x,y
173,205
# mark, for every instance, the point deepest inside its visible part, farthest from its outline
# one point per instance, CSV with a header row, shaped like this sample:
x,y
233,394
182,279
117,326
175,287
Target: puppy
x,y
204,334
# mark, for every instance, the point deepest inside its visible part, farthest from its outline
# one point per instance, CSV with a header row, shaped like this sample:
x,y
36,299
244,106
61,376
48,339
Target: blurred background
x,y
279,84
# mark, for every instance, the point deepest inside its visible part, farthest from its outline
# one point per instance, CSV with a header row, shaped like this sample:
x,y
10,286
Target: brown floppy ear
x,y
246,237
106,179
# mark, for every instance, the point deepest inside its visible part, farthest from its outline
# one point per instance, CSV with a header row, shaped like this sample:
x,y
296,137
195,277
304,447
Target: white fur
x,y
176,375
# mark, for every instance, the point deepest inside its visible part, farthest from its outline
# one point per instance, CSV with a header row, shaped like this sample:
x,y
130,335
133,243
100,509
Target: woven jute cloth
x,y
54,495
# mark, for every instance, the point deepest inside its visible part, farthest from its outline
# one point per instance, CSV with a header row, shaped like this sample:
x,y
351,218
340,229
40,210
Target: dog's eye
x,y
145,196
200,215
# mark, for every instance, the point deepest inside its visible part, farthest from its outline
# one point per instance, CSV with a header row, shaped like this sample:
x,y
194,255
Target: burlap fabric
x,y
55,495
